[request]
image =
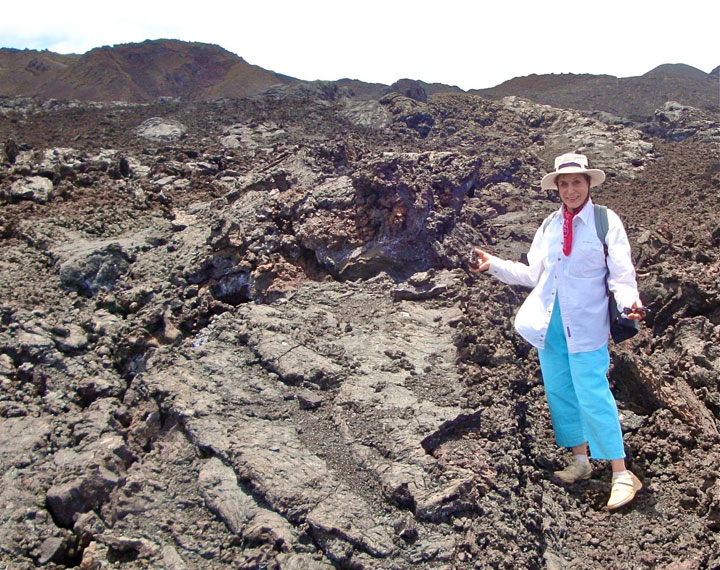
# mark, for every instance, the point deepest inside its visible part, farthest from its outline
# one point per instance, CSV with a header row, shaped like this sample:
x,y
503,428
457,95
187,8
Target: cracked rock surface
x,y
242,334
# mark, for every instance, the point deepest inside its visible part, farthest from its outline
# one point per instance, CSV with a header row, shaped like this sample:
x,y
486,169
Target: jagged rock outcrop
x,y
677,122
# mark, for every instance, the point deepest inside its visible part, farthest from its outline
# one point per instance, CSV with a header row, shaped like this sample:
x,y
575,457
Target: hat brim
x,y
597,177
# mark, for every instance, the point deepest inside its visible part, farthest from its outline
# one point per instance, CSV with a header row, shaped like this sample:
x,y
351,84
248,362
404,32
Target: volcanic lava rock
x,y
677,122
10,148
35,188
90,266
245,336
159,128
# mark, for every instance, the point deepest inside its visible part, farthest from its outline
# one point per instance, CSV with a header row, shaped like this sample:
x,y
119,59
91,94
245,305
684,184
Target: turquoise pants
x,y
582,407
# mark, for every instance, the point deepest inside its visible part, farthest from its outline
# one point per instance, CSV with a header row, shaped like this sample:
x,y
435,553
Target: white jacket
x,y
578,280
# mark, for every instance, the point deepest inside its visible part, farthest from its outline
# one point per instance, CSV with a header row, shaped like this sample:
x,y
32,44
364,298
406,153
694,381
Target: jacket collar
x,y
585,214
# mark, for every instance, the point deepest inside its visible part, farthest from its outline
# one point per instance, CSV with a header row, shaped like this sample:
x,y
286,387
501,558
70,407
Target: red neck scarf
x,y
568,226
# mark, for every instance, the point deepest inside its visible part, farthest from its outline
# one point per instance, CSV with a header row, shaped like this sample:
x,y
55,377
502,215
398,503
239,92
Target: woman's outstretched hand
x,y
637,312
481,261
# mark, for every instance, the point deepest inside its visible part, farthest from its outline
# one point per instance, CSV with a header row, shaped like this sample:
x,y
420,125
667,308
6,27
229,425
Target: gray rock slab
x,y
309,400
87,493
70,338
294,362
7,366
159,499
368,114
108,450
380,345
171,559
217,394
35,188
251,136
344,515
34,341
398,362
158,128
88,266
52,549
135,547
300,561
219,487
23,509
20,437
281,469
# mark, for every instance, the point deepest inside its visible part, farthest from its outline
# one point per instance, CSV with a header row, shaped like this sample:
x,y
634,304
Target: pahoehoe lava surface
x,y
241,334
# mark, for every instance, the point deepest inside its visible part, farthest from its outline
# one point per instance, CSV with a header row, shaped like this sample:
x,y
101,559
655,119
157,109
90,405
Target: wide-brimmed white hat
x,y
571,163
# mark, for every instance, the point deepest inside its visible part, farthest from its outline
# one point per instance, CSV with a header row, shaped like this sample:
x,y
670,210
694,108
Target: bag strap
x,y
549,219
601,225
601,228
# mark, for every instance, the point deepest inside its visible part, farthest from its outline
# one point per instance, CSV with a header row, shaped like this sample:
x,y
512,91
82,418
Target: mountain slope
x,y
143,72
135,72
632,97
23,71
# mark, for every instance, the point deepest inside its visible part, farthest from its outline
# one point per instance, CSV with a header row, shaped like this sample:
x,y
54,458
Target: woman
x,y
566,318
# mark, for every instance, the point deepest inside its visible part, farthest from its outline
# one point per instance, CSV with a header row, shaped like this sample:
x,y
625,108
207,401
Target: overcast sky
x,y
471,44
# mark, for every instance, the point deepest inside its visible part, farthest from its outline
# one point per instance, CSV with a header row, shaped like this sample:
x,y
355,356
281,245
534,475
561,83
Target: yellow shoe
x,y
574,472
623,491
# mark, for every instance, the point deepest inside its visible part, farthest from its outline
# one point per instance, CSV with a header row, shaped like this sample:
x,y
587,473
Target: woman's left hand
x,y
637,312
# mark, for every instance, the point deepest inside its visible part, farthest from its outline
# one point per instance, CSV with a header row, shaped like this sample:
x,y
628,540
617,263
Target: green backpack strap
x,y
549,219
601,227
601,224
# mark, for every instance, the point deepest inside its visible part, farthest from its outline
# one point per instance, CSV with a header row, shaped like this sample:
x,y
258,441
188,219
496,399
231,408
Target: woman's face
x,y
573,189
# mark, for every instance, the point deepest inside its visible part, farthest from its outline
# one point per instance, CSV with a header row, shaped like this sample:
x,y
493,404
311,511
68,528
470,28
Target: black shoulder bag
x,y
621,328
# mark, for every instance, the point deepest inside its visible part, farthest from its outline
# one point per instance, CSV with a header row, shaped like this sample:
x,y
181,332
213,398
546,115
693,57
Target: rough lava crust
x,y
242,334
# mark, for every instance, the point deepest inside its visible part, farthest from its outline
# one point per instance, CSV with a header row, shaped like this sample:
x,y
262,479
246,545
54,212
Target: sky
x,y
469,43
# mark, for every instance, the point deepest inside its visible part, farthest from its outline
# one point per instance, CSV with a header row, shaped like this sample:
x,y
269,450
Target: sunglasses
x,y
642,310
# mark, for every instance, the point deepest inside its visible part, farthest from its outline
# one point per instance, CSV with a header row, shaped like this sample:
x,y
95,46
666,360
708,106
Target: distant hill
x,y
23,72
362,90
413,88
134,72
142,72
632,97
